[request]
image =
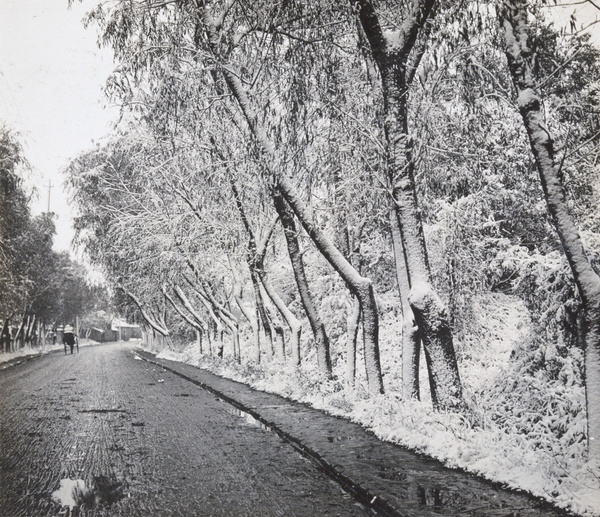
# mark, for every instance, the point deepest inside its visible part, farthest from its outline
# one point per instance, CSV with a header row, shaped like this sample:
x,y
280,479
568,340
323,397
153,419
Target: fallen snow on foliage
x,y
483,441
171,355
504,321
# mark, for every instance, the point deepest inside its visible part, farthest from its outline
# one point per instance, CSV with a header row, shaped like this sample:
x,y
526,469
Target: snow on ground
x,y
29,352
537,461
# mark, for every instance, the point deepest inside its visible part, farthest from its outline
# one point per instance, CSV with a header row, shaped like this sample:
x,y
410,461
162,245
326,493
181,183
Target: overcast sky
x,y
51,75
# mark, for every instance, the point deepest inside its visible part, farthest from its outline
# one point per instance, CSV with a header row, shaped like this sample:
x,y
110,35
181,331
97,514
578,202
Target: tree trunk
x,y
351,338
255,259
252,318
199,340
197,319
514,17
432,319
351,246
152,322
5,335
25,331
19,336
359,285
226,316
209,338
274,322
29,329
391,54
217,324
310,308
198,327
261,312
439,348
411,342
345,243
292,322
279,341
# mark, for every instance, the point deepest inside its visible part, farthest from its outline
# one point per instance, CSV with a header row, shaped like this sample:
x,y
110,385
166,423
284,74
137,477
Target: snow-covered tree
x,y
521,56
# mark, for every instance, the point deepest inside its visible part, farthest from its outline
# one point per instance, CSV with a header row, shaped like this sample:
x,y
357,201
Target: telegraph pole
x,y
49,187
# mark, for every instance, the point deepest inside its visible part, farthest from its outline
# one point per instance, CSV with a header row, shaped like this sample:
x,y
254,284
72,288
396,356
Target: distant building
x,y
117,330
125,331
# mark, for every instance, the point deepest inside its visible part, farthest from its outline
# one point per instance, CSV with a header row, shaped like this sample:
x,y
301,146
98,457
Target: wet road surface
x,y
144,442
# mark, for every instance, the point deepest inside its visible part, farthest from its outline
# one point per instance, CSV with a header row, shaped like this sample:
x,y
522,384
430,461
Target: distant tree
x,y
38,286
14,220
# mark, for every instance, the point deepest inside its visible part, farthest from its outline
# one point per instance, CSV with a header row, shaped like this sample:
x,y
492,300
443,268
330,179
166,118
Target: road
x,y
145,442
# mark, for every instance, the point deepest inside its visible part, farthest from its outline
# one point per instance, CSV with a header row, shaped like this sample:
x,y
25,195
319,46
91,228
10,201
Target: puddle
x,y
75,492
70,493
247,417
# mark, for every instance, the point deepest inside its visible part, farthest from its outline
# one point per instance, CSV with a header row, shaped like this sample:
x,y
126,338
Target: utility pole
x,y
49,187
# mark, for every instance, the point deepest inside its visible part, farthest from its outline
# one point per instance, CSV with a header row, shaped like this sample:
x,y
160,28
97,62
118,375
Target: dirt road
x,y
144,442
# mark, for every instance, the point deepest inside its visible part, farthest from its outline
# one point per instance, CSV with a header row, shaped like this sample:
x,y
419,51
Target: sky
x,y
51,78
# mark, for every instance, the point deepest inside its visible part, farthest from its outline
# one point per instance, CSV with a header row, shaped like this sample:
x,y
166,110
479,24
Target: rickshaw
x,y
70,340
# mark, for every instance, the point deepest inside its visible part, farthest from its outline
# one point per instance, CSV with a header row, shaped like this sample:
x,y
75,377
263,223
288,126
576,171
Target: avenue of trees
x,y
39,287
334,183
